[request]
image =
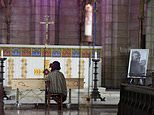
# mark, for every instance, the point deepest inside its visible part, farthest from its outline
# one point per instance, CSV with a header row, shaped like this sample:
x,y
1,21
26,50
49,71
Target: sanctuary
x,y
25,65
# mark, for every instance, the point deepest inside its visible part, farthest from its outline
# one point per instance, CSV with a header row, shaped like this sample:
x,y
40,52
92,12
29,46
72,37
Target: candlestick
x,y
95,93
1,84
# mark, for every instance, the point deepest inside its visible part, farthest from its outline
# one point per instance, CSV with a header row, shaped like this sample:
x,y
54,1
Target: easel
x,y
136,80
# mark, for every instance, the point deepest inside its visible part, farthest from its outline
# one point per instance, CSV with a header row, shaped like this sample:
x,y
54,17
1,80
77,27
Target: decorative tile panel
x,y
36,52
85,53
26,52
16,52
51,52
75,53
7,51
56,52
46,52
66,52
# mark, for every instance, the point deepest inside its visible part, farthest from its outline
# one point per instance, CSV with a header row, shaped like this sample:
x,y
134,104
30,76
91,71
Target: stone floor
x,y
75,96
94,111
31,102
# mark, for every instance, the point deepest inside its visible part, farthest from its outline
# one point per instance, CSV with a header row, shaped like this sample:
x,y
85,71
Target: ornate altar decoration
x,y
25,65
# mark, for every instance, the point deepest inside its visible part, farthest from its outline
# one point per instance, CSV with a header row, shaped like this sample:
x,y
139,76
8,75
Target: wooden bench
x,y
50,96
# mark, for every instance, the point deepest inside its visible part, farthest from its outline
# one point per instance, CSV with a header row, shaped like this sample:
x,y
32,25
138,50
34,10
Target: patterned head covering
x,y
55,66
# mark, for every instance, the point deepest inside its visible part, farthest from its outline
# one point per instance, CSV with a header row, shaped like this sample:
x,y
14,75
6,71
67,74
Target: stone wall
x,y
119,34
25,17
150,33
117,28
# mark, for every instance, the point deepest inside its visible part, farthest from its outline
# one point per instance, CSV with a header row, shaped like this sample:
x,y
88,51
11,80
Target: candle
x,y
95,55
1,53
88,20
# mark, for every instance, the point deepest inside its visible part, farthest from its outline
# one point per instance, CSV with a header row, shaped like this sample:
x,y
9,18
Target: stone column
x,y
115,41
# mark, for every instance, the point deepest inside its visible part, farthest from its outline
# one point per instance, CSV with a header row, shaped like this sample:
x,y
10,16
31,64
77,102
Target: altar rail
x,y
136,100
26,87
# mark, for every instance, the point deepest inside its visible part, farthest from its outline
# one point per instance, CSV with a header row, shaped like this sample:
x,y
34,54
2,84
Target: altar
x,y
25,65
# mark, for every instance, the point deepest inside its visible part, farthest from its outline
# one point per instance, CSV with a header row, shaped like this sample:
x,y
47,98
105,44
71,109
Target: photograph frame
x,y
138,69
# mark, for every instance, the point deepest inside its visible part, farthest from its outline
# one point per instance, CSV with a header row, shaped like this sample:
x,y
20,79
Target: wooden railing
x,y
29,85
136,100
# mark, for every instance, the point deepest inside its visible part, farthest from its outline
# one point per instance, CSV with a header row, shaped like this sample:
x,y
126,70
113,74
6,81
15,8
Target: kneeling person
x,y
57,81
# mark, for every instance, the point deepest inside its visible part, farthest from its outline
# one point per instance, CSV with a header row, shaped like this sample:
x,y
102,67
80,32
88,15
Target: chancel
x,y
93,40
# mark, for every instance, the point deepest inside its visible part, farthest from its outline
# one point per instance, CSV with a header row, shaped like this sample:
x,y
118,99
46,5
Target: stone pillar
x,y
119,33
114,41
150,32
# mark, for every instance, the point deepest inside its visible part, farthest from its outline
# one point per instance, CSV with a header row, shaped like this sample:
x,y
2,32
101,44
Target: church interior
x,y
95,42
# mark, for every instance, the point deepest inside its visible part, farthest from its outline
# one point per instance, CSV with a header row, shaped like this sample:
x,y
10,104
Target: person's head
x,y
136,56
55,66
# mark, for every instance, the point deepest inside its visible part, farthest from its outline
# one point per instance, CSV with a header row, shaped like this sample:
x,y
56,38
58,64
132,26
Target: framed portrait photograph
x,y
138,61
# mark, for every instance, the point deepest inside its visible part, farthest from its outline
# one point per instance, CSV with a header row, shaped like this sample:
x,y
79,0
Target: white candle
x,y
88,20
95,55
1,53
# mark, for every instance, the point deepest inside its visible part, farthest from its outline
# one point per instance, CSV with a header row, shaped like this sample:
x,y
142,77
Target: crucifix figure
x,y
47,23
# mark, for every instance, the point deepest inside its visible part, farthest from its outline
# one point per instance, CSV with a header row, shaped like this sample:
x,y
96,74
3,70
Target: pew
x,y
136,100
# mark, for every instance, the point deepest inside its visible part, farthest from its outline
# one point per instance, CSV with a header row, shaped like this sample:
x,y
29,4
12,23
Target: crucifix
x,y
46,23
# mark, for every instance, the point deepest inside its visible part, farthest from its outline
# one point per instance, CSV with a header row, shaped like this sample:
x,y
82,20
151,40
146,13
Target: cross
x,y
47,23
